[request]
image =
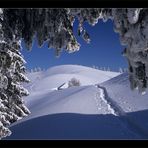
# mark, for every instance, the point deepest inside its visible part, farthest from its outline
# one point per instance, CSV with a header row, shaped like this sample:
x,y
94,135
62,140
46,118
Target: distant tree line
x,y
36,69
121,70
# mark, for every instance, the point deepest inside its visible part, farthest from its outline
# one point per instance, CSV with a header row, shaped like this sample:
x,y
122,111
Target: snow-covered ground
x,y
56,76
103,107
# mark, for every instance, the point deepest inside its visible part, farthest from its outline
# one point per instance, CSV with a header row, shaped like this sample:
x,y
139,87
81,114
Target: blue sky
x,y
104,50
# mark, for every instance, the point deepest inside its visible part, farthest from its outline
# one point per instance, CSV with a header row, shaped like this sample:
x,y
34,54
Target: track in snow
x,y
112,105
116,110
102,104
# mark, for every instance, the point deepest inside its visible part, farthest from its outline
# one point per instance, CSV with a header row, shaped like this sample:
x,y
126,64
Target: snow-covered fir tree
x,y
121,70
35,69
31,71
125,70
104,69
12,74
108,69
93,66
39,69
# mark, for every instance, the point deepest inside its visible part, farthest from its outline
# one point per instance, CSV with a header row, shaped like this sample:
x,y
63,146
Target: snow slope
x,y
131,103
102,108
56,76
44,99
118,88
73,113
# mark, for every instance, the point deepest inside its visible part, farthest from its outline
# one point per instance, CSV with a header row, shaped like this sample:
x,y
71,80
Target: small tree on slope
x,y
74,82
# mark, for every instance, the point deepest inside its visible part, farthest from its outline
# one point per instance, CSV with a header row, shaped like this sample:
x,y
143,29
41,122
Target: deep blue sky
x,y
104,50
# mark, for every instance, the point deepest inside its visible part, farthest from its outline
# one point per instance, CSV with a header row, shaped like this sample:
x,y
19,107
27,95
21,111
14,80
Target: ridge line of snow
x,y
77,66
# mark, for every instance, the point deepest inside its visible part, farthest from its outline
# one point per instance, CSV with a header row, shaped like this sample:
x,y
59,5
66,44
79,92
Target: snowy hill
x,y
56,76
44,84
103,107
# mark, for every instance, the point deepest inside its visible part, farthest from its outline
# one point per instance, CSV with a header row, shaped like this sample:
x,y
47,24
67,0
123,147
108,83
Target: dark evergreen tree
x,y
11,92
12,75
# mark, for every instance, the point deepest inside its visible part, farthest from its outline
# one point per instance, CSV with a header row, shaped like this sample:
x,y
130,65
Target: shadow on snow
x,y
80,126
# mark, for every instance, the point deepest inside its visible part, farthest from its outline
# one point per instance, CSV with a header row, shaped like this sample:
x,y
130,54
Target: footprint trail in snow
x,y
109,106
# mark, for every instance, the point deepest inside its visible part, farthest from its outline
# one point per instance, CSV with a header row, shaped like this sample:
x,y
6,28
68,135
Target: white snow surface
x,y
44,98
118,89
56,76
103,107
